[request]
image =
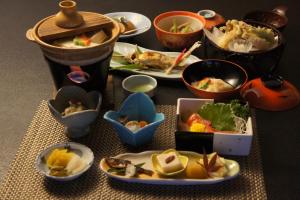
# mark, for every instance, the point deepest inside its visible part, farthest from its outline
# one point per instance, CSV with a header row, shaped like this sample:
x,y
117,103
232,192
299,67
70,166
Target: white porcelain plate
x,y
81,150
141,22
145,157
127,49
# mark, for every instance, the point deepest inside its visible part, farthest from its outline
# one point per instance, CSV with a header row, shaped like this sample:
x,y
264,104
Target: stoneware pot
x,y
74,56
77,123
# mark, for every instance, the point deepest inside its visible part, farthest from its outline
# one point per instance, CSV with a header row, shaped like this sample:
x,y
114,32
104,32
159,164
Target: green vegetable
x,y
174,27
128,67
220,115
122,171
240,110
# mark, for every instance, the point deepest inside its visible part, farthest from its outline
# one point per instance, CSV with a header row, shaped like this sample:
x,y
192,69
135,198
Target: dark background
x,y
25,78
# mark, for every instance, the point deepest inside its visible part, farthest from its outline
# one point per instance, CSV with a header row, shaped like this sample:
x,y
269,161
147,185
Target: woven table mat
x,y
24,182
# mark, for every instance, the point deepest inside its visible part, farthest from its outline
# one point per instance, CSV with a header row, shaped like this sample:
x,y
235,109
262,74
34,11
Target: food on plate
x,y
242,37
133,125
182,28
196,123
63,162
210,84
195,170
155,167
169,162
126,168
74,106
83,40
228,117
151,60
125,24
214,165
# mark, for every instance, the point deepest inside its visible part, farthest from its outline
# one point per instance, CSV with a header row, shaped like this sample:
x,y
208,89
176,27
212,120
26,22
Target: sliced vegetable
x,y
82,40
220,115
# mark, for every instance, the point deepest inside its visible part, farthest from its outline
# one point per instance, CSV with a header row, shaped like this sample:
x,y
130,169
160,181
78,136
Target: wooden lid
x,y
48,30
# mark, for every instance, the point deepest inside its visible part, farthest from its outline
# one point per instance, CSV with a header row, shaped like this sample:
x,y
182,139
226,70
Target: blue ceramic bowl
x,y
137,106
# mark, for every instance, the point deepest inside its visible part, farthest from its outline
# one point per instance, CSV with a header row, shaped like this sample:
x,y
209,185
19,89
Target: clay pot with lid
x,y
69,23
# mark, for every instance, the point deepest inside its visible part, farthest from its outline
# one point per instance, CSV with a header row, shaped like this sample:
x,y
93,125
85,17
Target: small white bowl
x,y
81,150
140,83
207,14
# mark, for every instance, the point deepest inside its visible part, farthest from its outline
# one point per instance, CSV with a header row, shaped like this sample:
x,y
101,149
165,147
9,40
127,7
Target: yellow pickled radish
x,y
59,158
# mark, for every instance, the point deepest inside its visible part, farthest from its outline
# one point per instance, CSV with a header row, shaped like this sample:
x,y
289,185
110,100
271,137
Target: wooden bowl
x,y
229,72
178,41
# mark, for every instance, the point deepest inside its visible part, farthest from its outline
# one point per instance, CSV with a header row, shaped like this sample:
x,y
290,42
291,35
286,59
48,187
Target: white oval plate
x,y
145,157
81,150
141,22
127,49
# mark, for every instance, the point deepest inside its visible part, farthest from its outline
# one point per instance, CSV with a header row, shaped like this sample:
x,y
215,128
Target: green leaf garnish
x,y
220,115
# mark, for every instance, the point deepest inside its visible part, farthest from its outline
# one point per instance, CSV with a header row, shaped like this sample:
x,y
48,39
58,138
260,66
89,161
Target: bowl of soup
x,y
177,30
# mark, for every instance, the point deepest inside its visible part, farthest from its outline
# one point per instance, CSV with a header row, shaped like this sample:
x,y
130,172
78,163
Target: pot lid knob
x,y
68,17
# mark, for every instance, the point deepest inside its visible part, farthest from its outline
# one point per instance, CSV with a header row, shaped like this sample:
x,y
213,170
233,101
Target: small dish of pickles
x,y
65,161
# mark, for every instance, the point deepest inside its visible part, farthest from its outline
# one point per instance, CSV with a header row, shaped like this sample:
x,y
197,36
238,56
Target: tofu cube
x,y
169,162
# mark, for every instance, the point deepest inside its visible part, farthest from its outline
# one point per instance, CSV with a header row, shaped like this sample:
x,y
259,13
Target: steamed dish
x,y
64,162
83,40
212,85
74,106
132,125
242,37
227,117
169,163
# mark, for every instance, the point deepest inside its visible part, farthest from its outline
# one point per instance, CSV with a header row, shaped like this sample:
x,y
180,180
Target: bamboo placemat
x,y
24,182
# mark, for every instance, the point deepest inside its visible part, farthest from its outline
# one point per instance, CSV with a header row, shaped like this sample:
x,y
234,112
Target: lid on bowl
x,y
69,22
271,93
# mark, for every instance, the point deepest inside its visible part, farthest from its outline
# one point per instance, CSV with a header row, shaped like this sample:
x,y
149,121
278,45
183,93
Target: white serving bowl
x,y
140,83
81,150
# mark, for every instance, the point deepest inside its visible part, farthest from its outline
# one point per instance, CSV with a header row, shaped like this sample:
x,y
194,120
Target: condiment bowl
x,y
140,83
178,41
137,106
81,150
229,72
77,123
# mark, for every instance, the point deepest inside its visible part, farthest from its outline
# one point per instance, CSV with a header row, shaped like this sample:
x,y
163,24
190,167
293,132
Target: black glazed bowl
x,y
276,17
229,72
256,63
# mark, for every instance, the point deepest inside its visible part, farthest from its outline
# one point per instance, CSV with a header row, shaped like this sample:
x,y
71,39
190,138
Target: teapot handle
x,y
29,35
281,10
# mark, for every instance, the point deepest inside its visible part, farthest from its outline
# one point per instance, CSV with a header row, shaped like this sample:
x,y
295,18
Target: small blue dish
x,y
137,106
